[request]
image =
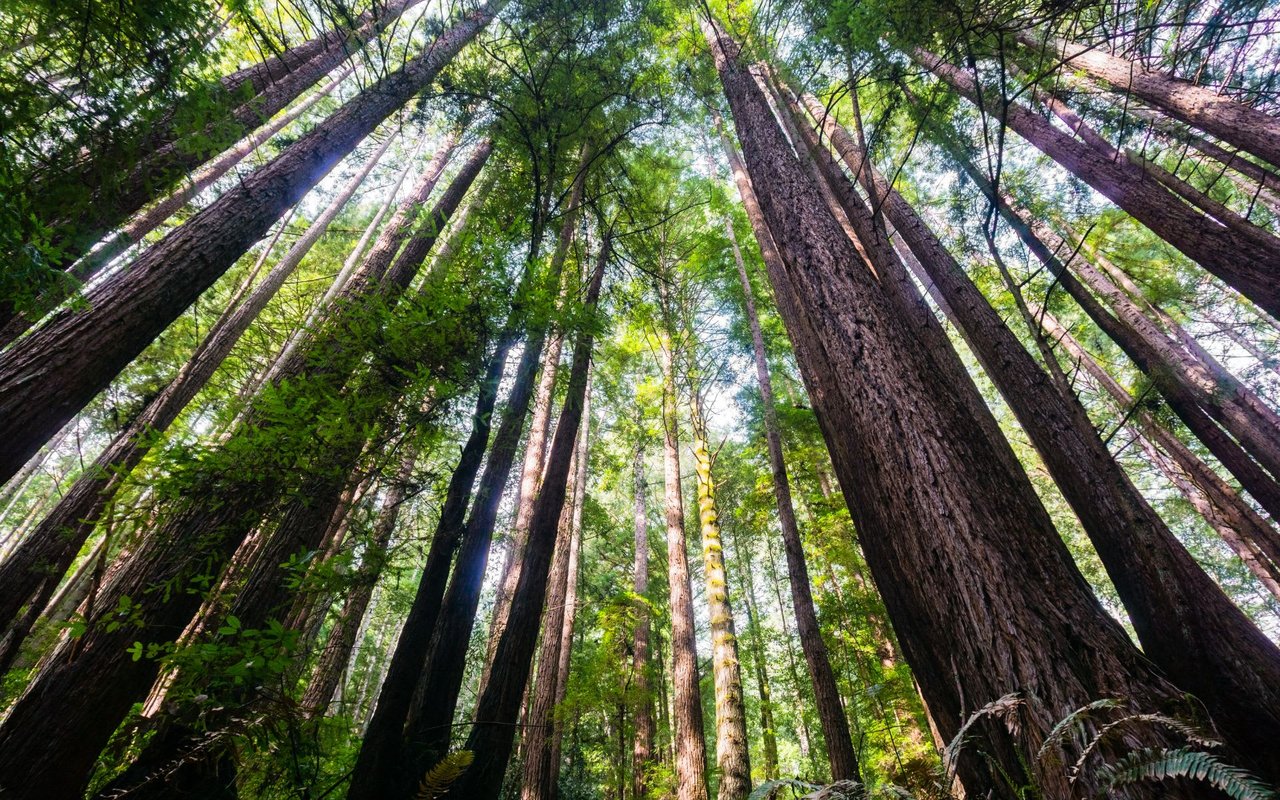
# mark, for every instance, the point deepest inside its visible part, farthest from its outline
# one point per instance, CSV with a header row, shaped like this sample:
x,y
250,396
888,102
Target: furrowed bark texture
x,y
49,376
493,732
46,753
1245,262
1247,128
955,539
1183,619
835,725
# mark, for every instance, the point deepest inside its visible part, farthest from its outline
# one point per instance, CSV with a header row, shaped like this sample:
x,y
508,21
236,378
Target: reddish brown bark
x,y
50,375
835,726
955,538
1245,262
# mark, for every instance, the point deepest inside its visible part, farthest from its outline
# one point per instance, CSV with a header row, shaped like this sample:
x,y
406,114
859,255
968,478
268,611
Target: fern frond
x,y
1000,707
1151,764
1070,722
766,790
440,777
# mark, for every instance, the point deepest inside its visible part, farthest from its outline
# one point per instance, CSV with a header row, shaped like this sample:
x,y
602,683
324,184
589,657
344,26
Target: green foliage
x,y
1162,764
440,777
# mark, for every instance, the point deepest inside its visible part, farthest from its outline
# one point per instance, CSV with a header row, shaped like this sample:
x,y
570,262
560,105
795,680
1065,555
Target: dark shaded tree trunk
x,y
32,572
48,753
571,591
954,537
835,726
1244,262
493,732
49,376
645,731
540,728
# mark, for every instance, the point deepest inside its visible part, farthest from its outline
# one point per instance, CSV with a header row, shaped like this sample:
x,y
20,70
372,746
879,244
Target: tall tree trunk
x,y
536,445
1244,262
540,767
732,757
1046,245
164,156
48,753
642,749
32,572
1249,129
835,726
690,748
380,747
77,353
493,731
427,728
756,644
954,537
1183,619
571,590
1251,537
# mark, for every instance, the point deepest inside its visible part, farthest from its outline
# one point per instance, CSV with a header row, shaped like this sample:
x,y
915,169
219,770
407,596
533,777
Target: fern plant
x,y
440,777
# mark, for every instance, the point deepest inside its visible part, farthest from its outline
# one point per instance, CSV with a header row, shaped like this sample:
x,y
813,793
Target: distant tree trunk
x,y
1244,262
755,643
493,731
430,715
33,571
536,445
44,754
690,749
77,353
1250,129
1252,538
732,757
540,767
835,726
955,538
336,652
1182,617
642,749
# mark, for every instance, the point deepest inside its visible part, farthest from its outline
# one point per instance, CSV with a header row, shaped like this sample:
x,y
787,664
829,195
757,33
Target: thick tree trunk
x,y
732,757
954,537
689,746
1183,619
540,767
642,748
49,376
48,744
1245,262
32,572
493,731
1249,129
835,726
